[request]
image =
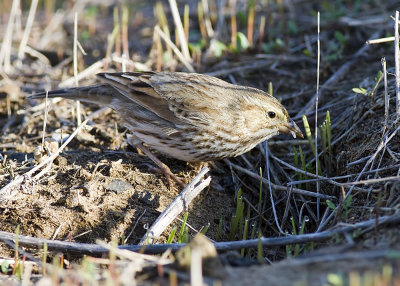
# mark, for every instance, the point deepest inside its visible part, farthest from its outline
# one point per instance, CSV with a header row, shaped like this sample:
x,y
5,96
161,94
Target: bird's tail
x,y
101,94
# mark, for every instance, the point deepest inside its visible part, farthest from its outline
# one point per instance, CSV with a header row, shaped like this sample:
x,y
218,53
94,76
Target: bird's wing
x,y
182,97
135,86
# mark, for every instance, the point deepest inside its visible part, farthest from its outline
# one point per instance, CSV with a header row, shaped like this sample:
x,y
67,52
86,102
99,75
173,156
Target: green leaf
x,y
330,204
292,27
217,48
166,57
359,90
197,46
378,76
340,37
5,266
242,42
171,235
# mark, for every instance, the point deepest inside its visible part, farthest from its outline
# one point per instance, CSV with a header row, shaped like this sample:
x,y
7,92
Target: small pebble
x,y
118,186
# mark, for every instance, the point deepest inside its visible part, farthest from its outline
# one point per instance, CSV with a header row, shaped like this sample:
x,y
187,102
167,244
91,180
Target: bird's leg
x,y
163,168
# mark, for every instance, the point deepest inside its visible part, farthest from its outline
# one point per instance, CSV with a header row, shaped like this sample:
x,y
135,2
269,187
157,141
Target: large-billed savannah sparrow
x,y
187,116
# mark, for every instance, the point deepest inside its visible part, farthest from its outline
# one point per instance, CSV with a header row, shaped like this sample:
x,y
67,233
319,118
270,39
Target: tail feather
x,y
101,94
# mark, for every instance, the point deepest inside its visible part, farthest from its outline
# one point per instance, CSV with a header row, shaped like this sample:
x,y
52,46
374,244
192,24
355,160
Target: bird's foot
x,y
164,169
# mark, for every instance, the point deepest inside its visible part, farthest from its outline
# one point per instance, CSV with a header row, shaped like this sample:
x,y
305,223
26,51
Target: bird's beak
x,y
291,127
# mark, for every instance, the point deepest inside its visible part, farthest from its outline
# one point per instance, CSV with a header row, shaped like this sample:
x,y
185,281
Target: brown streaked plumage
x,y
188,116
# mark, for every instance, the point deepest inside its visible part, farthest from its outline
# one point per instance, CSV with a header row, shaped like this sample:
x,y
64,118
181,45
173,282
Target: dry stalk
x,y
178,53
29,24
179,28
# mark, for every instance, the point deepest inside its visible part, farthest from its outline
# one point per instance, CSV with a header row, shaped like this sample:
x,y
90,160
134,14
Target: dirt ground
x,y
101,188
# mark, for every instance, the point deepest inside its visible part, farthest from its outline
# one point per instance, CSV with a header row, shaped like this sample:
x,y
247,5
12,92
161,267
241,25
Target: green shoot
x,y
238,217
205,228
183,233
260,250
44,259
244,237
311,142
171,235
270,88
16,254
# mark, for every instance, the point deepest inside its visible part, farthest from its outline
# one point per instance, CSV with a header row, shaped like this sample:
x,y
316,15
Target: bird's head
x,y
273,116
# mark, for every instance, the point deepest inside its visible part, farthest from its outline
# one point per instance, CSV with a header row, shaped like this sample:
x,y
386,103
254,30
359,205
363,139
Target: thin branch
x,y
94,249
316,112
386,91
277,187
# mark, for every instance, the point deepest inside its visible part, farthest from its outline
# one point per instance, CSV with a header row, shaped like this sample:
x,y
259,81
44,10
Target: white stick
x,y
316,114
179,28
386,91
93,69
180,203
5,51
27,31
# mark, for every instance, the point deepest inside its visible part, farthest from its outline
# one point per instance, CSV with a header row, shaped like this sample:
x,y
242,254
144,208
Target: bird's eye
x,y
271,114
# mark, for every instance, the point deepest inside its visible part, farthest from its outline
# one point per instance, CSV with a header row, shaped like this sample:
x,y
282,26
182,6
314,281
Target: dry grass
x,y
101,188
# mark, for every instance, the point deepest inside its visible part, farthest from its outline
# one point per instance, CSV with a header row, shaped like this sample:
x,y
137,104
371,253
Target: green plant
x,y
183,236
237,218
336,46
171,235
326,138
311,142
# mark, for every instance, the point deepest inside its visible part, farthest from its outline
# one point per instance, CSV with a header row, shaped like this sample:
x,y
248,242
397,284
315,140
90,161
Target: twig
x,y
134,227
180,203
271,197
93,69
316,112
386,91
86,248
373,181
305,172
380,40
133,256
277,187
